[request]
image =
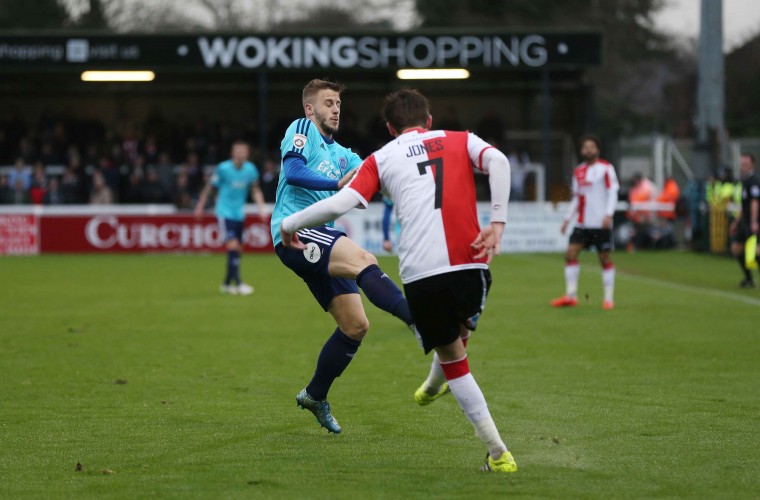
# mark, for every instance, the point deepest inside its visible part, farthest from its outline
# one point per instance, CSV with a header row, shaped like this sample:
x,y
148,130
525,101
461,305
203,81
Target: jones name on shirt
x,y
427,147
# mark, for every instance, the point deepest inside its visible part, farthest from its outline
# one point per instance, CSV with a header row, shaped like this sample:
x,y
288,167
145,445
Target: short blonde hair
x,y
313,87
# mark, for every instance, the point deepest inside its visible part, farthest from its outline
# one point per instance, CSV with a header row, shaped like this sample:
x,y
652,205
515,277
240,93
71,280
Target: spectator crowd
x,y
74,161
65,160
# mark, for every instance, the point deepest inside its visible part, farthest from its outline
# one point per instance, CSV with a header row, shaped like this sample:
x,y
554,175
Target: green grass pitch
x,y
138,369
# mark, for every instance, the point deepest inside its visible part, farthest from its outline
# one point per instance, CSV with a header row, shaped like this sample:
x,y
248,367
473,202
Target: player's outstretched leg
x,y
349,260
470,398
383,292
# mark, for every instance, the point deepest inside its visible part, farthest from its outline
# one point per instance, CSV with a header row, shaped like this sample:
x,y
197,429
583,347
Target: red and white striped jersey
x,y
595,192
429,177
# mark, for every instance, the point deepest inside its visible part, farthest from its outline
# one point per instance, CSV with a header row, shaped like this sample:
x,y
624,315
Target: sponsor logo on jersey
x,y
299,140
329,170
312,252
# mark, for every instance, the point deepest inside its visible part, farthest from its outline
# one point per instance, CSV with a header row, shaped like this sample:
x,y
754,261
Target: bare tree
x,y
238,15
26,14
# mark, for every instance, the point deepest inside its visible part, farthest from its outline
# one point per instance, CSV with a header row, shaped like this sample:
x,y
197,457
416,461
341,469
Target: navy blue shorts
x,y
233,229
311,264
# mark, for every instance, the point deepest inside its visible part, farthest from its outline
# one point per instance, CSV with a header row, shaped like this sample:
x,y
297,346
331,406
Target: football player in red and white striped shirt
x,y
595,191
444,254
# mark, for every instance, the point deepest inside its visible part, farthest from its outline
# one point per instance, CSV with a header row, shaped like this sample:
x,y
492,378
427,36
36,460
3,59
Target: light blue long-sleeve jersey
x,y
322,156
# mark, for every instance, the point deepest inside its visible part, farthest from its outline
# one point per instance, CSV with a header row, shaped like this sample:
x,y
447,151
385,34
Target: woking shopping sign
x,y
489,51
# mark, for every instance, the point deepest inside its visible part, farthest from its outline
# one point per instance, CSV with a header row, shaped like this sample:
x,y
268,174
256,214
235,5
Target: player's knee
x,y
367,259
356,329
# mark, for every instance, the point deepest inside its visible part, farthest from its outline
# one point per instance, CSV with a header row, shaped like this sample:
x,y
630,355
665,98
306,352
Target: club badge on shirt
x,y
299,141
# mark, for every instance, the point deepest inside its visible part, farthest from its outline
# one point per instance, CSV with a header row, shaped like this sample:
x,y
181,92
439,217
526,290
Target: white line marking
x,y
669,284
691,288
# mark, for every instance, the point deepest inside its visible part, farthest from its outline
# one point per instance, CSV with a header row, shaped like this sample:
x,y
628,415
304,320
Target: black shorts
x,y
601,239
441,304
743,233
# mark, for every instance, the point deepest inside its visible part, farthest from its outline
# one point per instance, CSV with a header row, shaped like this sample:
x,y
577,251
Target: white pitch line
x,y
691,288
674,286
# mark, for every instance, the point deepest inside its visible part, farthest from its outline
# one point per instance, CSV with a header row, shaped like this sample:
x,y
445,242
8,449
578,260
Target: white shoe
x,y
229,289
244,289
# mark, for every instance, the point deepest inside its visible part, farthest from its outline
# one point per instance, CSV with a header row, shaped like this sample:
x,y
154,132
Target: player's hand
x,y
607,222
387,245
563,229
488,241
290,240
347,178
198,212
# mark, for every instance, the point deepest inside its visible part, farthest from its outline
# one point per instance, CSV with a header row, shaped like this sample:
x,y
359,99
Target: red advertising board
x,y
145,233
18,234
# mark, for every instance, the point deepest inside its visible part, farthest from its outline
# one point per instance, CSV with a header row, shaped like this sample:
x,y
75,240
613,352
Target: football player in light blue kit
x,y
232,180
314,167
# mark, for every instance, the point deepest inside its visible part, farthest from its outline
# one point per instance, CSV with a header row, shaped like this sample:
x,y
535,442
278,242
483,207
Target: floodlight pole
x,y
711,148
546,120
263,117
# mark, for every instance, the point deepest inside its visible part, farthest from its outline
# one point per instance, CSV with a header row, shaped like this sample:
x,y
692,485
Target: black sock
x,y
233,267
335,356
743,265
383,292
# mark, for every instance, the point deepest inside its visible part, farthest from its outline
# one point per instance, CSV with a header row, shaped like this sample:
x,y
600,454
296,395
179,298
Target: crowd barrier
x,y
31,230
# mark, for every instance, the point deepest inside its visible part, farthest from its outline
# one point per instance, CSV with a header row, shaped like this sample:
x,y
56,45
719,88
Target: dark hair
x,y
590,137
240,142
405,108
750,156
313,87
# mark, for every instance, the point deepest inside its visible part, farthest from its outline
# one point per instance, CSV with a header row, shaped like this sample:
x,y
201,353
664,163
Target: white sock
x,y
572,271
436,377
470,398
488,433
608,281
